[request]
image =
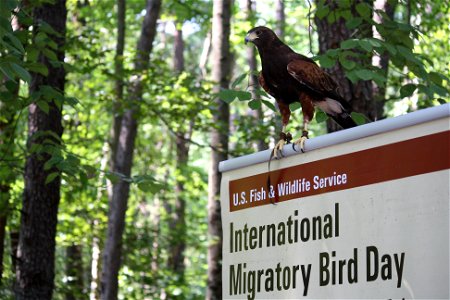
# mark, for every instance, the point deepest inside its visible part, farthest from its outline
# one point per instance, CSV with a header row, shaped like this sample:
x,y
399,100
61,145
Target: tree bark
x,y
94,277
206,49
178,222
221,61
2,243
280,26
35,256
14,237
119,82
382,61
253,80
280,18
74,272
331,34
6,146
124,157
7,135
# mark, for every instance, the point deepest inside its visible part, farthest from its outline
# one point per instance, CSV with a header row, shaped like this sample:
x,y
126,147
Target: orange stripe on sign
x,y
388,162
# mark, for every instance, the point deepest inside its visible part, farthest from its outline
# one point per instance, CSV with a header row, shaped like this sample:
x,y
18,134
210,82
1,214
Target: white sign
x,y
364,219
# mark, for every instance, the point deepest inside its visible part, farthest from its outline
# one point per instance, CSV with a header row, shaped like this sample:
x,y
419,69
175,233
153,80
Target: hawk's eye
x,y
258,32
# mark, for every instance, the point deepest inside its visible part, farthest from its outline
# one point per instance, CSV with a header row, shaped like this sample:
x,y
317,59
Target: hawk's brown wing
x,y
314,78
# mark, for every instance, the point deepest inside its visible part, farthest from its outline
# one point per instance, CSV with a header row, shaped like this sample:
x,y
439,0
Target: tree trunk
x,y
178,47
2,243
280,26
7,136
206,49
331,34
36,253
6,148
124,157
382,61
178,223
280,18
219,139
74,272
95,244
6,143
14,237
119,82
253,80
95,265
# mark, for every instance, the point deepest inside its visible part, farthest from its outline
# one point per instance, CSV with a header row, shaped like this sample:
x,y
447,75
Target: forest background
x,y
115,114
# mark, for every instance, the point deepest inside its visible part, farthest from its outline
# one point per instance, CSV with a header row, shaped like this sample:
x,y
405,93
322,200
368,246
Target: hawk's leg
x,y
285,138
303,138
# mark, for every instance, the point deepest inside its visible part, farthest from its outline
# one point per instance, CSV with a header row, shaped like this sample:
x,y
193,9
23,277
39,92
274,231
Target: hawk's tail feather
x,y
344,120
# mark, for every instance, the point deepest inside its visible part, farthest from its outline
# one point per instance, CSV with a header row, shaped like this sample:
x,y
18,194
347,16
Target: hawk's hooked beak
x,y
250,37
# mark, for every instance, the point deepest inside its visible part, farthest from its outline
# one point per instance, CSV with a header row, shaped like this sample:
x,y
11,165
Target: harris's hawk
x,y
291,77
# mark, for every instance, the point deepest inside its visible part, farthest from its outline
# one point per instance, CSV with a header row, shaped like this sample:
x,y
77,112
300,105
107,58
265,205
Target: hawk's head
x,y
260,36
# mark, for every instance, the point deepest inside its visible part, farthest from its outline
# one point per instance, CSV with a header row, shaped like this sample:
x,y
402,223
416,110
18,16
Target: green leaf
x,y
40,40
83,178
346,63
379,78
331,18
43,105
23,74
50,54
9,4
238,80
326,61
359,118
149,186
366,45
38,68
351,75
243,95
349,44
269,105
345,13
364,74
407,90
72,101
32,54
16,43
353,23
425,90
54,161
322,11
227,95
294,106
51,177
437,89
254,104
321,116
45,27
364,10
374,42
90,171
261,93
113,177
390,48
7,70
437,78
406,53
404,38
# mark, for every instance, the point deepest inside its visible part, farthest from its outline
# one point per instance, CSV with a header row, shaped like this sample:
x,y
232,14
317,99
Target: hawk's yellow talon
x,y
278,150
301,143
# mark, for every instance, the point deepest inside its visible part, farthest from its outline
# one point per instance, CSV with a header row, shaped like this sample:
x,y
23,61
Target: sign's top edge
x,y
339,137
